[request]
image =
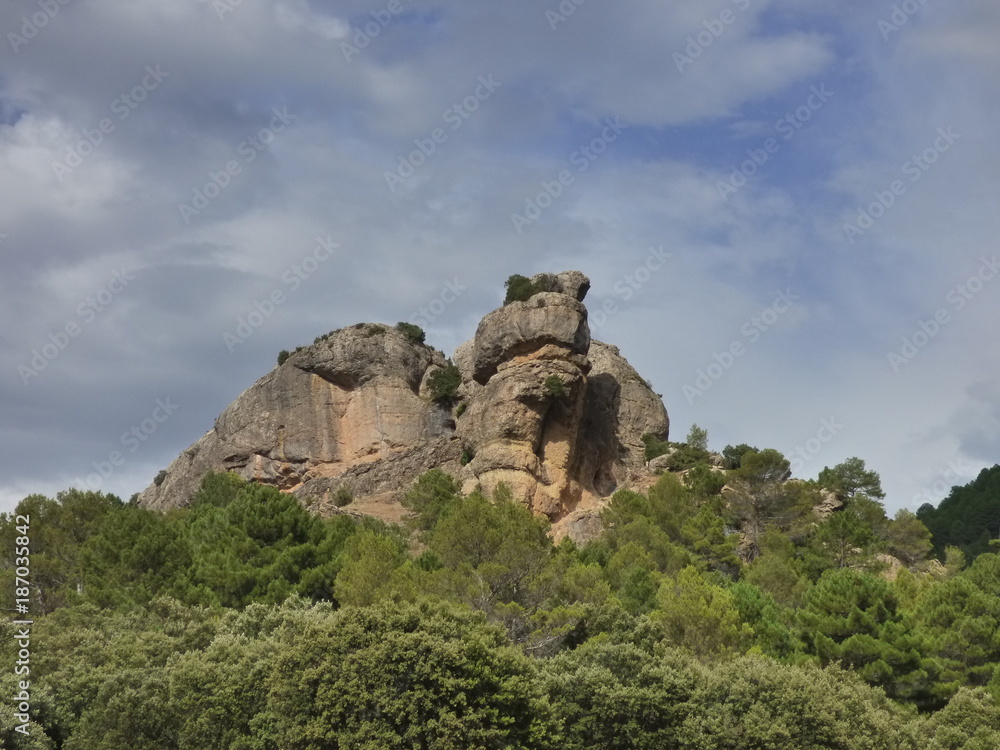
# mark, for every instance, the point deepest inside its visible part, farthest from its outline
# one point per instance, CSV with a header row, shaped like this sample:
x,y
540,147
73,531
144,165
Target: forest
x,y
700,618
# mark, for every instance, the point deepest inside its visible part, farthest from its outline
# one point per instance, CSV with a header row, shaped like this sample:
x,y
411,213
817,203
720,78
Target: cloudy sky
x,y
788,211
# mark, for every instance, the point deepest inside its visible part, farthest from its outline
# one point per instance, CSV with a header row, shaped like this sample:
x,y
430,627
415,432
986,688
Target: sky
x,y
788,212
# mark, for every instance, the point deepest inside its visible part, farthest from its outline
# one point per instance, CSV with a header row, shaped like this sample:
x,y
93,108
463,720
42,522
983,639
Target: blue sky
x,y
880,347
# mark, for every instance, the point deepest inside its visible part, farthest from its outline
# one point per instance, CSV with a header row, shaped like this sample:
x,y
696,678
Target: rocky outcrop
x,y
559,418
350,400
571,283
556,417
829,504
553,323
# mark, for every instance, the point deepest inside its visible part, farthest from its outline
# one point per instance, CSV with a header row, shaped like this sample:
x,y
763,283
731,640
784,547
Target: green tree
x,y
699,615
760,497
777,571
842,540
611,696
501,544
403,676
369,560
970,721
968,518
754,702
960,618
697,438
734,454
444,383
853,618
851,478
655,446
908,539
58,530
431,496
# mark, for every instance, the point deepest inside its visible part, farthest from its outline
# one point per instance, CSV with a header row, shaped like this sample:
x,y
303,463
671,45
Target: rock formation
x,y
555,416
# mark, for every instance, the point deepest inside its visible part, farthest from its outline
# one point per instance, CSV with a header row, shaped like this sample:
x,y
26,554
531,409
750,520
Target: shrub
x,y
160,476
444,383
461,409
432,495
343,496
654,446
554,387
282,356
374,329
414,333
686,457
466,457
520,288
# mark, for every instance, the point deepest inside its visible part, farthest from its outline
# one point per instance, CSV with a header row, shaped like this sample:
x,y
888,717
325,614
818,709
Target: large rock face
x,y
352,399
555,416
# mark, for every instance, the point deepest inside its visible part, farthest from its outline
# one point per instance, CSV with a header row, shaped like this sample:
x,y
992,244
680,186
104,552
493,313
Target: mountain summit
x,y
531,401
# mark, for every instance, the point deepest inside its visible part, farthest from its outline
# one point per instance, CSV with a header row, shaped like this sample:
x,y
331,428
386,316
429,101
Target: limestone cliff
x,y
555,416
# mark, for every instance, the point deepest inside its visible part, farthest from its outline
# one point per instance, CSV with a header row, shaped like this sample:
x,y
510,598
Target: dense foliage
x,y
969,517
444,383
520,288
414,333
699,619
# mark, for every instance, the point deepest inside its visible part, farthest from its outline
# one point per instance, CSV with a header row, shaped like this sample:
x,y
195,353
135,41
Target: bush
x,y
414,333
654,446
554,387
375,329
461,409
431,496
520,288
160,476
282,356
686,457
444,383
343,496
